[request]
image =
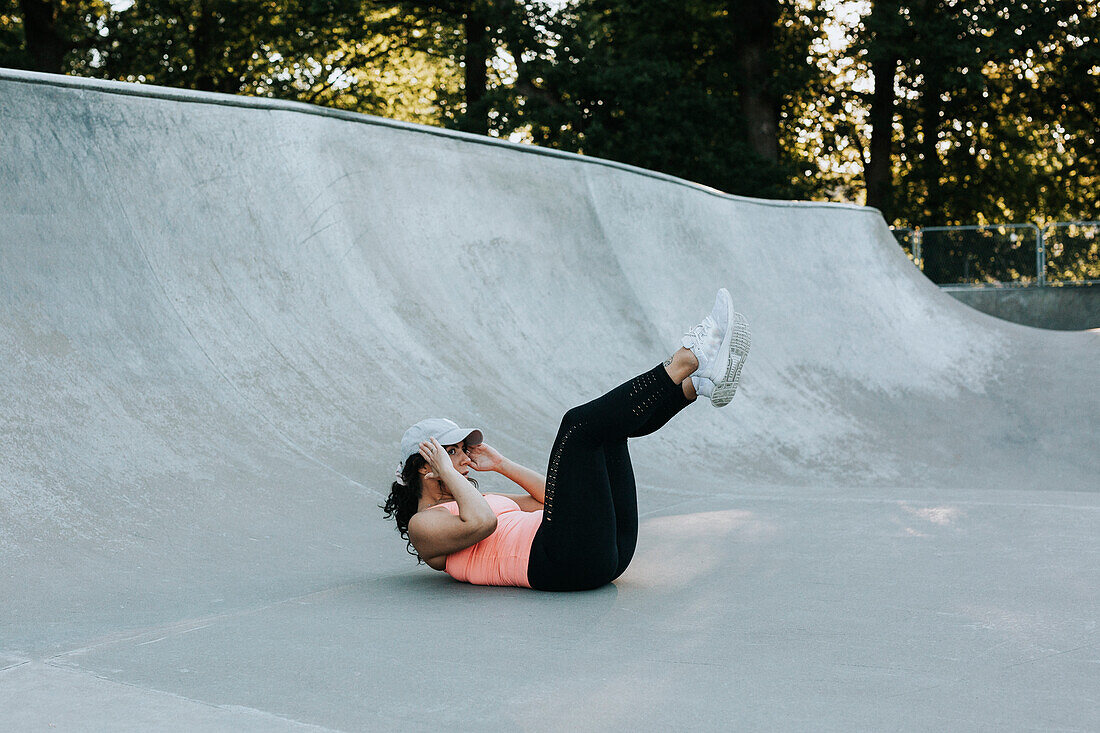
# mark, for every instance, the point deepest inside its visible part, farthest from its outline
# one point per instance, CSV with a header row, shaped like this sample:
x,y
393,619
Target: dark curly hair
x,y
404,499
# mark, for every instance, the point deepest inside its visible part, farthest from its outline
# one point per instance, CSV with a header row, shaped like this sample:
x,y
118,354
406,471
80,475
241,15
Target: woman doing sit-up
x,y
575,528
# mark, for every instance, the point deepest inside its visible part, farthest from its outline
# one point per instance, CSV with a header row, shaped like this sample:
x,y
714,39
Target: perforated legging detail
x,y
590,522
644,389
565,434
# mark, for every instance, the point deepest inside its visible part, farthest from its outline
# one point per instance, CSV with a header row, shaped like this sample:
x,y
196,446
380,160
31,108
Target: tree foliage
x,y
684,88
994,108
54,36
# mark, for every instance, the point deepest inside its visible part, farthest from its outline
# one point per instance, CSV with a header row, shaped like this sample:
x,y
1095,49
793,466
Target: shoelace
x,y
699,331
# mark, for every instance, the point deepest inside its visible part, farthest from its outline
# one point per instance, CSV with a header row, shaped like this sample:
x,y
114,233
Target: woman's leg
x,y
591,503
663,412
576,546
628,409
590,521
620,473
624,494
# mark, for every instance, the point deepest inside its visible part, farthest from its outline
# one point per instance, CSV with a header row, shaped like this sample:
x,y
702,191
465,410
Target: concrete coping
x,y
1019,286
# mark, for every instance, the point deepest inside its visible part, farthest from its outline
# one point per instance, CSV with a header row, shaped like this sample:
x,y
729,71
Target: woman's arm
x,y
533,482
484,457
437,534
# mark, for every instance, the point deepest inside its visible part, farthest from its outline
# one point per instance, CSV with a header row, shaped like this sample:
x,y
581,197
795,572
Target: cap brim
x,y
471,437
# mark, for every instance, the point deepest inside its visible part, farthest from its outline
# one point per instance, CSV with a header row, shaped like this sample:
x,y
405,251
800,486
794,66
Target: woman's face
x,y
459,459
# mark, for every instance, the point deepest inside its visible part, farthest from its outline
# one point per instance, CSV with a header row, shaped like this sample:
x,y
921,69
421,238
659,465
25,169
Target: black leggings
x,y
590,523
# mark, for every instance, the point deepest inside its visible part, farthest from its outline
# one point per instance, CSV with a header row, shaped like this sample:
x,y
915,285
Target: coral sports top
x,y
502,557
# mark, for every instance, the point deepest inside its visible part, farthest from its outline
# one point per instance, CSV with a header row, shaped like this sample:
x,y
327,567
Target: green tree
x,y
54,36
486,40
699,90
367,57
232,46
980,112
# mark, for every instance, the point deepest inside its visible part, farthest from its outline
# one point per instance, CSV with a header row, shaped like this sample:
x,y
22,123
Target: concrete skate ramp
x,y
217,316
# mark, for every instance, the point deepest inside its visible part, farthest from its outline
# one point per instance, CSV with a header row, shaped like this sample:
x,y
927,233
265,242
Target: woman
x,y
575,528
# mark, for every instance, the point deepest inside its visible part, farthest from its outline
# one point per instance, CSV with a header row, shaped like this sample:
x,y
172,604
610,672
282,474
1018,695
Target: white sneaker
x,y
720,343
739,341
703,387
710,337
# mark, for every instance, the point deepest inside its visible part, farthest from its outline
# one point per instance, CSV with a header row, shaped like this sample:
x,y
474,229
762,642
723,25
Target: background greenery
x,y
935,111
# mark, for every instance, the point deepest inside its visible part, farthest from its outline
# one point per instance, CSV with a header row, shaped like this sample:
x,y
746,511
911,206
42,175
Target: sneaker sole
x,y
738,351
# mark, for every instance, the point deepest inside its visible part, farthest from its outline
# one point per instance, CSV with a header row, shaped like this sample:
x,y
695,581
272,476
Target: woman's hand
x,y
437,458
484,457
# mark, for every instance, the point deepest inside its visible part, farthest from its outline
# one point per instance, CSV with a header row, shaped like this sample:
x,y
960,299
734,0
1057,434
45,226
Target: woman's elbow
x,y
488,526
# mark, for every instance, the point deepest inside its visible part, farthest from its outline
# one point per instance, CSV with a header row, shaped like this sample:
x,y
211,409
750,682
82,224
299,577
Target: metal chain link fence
x,y
1072,251
1018,254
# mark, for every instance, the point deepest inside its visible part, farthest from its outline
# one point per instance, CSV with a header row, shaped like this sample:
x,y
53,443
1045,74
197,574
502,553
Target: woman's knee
x,y
573,418
576,426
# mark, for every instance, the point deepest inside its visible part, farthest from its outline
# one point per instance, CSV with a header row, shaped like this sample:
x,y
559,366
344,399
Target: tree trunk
x,y
928,38
930,167
886,27
879,173
759,103
45,46
202,45
475,24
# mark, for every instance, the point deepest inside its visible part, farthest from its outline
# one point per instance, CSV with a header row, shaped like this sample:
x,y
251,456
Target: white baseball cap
x,y
440,428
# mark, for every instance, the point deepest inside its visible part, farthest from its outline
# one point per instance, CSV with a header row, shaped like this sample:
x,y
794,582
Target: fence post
x,y
917,254
1040,257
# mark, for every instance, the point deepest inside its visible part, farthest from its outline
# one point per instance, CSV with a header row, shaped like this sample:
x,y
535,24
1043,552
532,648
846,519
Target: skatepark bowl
x,y
218,315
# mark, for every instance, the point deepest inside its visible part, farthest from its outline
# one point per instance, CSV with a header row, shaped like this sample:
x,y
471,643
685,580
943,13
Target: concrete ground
x,y
218,314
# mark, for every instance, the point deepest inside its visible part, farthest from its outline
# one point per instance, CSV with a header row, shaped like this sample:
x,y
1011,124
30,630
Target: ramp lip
x,y
1069,284
152,91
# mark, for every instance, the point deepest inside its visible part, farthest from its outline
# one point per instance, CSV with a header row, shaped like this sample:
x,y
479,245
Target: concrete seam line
x,y
132,89
17,665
